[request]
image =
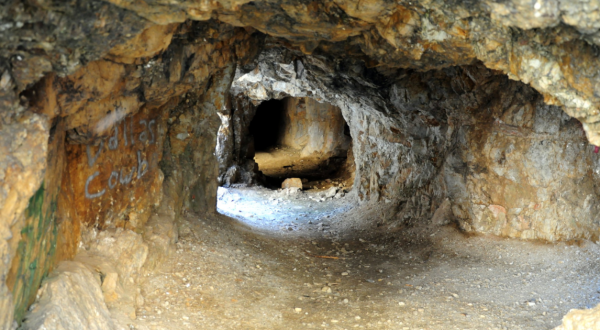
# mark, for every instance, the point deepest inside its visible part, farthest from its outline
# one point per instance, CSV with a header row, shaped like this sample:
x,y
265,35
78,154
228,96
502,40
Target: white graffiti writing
x,y
87,184
92,159
147,136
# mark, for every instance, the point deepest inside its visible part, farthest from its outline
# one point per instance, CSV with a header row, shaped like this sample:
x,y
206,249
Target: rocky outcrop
x,y
235,144
580,319
71,298
97,289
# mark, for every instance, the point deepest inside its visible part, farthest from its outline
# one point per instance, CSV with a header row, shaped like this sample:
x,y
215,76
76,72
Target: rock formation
x,y
111,111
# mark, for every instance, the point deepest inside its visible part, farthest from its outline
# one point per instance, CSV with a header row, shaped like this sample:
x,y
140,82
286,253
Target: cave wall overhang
x,y
557,58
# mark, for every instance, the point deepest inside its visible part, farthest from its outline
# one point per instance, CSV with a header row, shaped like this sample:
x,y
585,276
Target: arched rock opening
x,y
461,113
289,138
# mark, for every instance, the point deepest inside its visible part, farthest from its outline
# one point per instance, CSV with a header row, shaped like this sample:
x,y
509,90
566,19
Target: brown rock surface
x,y
117,181
71,298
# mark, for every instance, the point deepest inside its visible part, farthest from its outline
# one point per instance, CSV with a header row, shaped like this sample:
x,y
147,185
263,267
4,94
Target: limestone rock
x,y
443,214
314,127
120,171
292,183
580,319
161,234
331,192
109,287
231,176
120,292
29,161
150,42
124,248
468,101
70,298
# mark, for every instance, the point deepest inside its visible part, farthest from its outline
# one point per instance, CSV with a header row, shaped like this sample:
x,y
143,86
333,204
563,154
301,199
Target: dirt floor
x,y
300,260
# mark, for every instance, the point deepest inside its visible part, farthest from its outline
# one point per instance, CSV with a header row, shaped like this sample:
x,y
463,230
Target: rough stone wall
x,y
530,173
511,164
235,144
38,234
314,127
23,153
109,119
117,181
429,35
190,163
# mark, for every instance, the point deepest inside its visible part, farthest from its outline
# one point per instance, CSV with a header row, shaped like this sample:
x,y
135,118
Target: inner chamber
x,y
295,137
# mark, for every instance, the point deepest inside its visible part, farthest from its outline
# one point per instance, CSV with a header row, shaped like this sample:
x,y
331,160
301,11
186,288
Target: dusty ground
x,y
267,269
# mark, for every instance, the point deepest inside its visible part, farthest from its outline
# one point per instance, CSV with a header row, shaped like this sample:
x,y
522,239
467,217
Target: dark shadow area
x,y
267,123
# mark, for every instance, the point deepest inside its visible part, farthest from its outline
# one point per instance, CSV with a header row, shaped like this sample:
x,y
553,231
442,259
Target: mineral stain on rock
x,y
36,252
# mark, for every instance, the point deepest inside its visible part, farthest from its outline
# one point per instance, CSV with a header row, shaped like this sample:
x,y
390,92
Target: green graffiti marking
x,y
36,250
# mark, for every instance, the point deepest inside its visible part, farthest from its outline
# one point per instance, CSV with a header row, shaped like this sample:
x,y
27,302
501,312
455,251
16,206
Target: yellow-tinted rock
x,y
581,319
150,42
314,127
292,183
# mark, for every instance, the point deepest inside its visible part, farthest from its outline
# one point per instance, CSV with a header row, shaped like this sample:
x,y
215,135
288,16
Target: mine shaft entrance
x,y
302,138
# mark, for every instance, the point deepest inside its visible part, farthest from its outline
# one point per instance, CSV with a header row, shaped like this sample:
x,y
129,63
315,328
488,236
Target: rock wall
x,y
313,127
235,144
557,59
190,164
511,164
38,238
530,174
108,122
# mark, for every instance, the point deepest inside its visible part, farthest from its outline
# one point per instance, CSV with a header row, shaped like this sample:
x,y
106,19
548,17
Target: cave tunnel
x,y
293,138
381,165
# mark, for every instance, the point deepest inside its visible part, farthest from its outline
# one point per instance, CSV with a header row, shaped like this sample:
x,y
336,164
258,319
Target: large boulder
x,y
292,183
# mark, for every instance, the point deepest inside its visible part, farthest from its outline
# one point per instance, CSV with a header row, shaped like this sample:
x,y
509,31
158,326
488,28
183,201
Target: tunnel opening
x,y
293,138
302,138
302,150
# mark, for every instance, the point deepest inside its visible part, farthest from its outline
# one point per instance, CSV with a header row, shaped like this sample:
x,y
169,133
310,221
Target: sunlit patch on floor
x,y
284,210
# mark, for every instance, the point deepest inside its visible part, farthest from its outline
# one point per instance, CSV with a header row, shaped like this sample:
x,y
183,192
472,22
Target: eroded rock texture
x,y
315,128
107,106
235,145
107,123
